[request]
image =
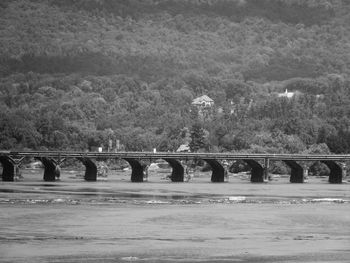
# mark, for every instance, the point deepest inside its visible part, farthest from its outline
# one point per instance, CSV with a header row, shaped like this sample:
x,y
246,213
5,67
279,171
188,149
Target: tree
x,y
197,138
240,141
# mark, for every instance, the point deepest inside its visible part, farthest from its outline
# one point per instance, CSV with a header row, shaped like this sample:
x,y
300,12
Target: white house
x,y
286,94
184,148
203,101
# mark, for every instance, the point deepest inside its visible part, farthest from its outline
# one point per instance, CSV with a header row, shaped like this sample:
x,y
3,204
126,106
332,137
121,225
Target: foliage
x,y
77,74
197,138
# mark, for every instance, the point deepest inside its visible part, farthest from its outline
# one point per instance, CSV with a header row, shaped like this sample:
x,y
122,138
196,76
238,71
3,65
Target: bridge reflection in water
x,y
259,163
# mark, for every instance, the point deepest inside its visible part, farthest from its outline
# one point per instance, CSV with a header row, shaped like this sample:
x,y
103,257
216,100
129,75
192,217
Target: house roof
x,y
183,148
202,99
286,94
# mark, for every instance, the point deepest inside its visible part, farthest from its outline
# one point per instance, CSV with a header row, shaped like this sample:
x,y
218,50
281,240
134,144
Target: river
x,y
115,220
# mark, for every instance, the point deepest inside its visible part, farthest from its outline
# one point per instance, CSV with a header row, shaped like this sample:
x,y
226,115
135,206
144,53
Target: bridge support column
x,y
137,170
177,174
266,169
343,167
8,169
90,169
218,171
50,169
336,172
297,171
305,173
257,171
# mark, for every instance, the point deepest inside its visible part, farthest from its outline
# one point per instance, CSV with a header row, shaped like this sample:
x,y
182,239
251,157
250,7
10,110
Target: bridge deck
x,y
174,155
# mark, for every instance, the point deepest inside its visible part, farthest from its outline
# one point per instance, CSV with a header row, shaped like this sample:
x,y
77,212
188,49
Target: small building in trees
x,y
203,102
184,148
286,94
204,106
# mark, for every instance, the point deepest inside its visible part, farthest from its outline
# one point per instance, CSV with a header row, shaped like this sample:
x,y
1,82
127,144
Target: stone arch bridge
x,y
259,163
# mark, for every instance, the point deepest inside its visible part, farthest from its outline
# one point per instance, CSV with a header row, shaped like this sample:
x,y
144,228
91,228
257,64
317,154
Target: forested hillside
x,y
76,73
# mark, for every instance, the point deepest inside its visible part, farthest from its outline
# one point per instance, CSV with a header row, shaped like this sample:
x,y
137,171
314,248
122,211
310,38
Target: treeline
x,y
90,37
78,74
75,112
307,12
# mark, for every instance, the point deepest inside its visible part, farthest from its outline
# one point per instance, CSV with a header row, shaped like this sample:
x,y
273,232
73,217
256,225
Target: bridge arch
x,y
90,169
297,171
336,172
257,172
177,174
137,170
218,171
8,169
50,169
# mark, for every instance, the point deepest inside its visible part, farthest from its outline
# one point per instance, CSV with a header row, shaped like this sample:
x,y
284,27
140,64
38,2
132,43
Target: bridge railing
x,y
176,155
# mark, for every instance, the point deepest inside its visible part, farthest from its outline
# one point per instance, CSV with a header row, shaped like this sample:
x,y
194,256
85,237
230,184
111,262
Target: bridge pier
x,y
8,169
50,169
177,174
137,170
266,169
306,173
343,167
90,169
336,172
218,171
257,172
297,171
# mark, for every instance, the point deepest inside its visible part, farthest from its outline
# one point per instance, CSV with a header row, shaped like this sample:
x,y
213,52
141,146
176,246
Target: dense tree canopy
x,y
77,74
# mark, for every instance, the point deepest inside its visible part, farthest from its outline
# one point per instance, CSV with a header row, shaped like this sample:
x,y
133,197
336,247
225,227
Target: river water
x,y
115,220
